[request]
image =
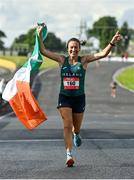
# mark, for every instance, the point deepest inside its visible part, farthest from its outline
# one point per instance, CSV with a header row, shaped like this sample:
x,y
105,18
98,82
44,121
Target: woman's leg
x,y
66,114
77,121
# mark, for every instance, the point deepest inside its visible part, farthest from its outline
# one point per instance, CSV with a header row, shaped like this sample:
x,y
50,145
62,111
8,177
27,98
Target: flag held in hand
x,y
18,92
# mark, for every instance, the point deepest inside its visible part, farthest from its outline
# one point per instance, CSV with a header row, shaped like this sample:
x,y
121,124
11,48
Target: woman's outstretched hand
x,y
116,38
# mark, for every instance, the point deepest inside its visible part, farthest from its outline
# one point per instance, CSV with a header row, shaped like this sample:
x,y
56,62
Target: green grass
x,y
48,63
126,78
20,60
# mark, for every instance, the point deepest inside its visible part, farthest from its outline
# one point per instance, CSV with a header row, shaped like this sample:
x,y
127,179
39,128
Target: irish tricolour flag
x,y
19,94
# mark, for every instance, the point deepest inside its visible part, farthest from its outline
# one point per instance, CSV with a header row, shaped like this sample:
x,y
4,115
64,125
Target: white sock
x,y
69,152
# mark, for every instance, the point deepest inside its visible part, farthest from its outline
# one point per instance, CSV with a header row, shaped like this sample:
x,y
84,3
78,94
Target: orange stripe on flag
x,y
26,106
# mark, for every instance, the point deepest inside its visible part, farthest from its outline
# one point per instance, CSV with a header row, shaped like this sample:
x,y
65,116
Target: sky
x,y
63,17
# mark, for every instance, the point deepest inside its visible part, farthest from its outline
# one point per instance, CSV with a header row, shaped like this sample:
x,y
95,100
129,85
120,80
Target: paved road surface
x,y
107,131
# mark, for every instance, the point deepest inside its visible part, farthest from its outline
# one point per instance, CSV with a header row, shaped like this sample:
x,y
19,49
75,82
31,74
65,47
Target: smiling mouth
x,y
73,52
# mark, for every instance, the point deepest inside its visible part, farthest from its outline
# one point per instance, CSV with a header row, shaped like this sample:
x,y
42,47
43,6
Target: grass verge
x,y
126,78
20,60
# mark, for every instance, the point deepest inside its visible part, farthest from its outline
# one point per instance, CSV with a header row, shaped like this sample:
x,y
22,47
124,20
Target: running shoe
x,y
70,160
77,140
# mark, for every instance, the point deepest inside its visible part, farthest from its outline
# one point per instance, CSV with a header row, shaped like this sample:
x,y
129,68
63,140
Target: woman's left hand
x,y
116,38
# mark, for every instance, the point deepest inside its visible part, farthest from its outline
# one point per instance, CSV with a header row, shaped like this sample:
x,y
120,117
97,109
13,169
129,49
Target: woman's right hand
x,y
40,28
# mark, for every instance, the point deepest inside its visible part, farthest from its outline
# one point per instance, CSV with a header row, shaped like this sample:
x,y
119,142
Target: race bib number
x,y
71,82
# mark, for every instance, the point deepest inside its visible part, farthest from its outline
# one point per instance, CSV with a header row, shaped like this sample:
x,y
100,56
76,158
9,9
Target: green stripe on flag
x,y
36,57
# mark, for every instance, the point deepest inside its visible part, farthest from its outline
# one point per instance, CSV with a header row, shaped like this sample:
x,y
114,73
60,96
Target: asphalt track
x,y
107,151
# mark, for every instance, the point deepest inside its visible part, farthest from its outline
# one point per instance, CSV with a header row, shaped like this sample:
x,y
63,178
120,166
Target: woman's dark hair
x,y
74,39
81,43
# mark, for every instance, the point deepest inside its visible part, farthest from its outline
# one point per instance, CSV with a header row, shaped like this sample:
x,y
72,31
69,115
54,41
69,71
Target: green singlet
x,y
72,78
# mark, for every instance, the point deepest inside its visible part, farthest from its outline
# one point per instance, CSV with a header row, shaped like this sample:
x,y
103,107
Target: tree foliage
x,y
2,35
52,42
104,29
126,36
27,39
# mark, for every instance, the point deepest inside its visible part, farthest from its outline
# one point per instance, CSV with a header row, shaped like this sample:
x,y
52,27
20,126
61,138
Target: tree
x,y
53,43
126,35
30,38
2,35
27,39
104,29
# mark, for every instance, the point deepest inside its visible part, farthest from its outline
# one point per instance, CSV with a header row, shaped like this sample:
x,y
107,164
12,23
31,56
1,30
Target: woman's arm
x,y
104,52
54,56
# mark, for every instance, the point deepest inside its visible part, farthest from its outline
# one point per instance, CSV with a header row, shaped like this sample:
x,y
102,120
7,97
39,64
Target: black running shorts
x,y
77,103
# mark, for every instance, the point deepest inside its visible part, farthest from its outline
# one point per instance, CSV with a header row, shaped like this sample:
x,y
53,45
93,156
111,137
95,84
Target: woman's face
x,y
73,49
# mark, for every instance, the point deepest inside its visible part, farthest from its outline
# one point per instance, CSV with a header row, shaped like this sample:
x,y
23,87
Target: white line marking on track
x,y
58,140
6,115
